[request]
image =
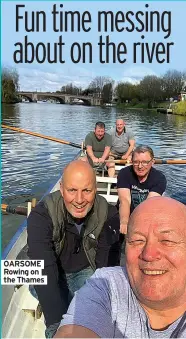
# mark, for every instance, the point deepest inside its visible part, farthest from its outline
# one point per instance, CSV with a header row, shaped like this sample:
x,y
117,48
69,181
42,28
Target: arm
x,y
91,154
108,144
75,331
159,186
105,154
88,145
108,236
40,245
153,194
130,149
124,208
89,314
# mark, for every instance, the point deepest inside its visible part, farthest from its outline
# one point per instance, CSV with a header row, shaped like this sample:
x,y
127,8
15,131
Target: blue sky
x,y
50,77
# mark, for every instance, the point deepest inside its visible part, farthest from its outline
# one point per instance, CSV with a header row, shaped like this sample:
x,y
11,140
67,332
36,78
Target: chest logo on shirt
x,y
138,195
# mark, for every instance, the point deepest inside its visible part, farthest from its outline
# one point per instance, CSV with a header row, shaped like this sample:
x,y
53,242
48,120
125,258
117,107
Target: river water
x,y
31,165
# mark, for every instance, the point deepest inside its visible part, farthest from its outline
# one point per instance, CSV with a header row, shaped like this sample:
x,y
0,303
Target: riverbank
x,y
178,108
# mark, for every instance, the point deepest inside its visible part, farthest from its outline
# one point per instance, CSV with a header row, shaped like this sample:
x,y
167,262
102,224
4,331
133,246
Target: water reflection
x,y
31,165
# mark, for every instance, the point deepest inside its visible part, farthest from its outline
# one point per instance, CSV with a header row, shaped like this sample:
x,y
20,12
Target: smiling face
x,y
142,163
120,126
99,132
156,252
78,188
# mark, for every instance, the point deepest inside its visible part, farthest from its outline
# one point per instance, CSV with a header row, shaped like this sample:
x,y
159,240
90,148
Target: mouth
x,y
79,208
154,272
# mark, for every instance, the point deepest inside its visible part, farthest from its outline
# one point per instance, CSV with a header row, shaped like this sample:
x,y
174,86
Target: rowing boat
x,y
21,314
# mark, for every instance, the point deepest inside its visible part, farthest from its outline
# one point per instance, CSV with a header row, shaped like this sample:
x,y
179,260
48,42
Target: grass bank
x,y
179,108
143,105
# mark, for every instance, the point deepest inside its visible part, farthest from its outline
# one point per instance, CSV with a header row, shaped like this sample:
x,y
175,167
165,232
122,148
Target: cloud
x,y
135,73
52,80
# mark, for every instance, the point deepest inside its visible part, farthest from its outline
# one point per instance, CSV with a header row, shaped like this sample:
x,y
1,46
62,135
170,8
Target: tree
x,y
173,83
107,92
71,89
125,91
98,83
151,89
10,85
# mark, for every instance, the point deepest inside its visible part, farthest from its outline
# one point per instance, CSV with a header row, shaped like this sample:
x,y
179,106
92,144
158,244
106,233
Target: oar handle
x,y
19,130
157,161
14,210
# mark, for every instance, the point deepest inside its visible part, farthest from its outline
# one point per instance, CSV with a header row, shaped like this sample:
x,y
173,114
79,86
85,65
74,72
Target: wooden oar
x,y
14,210
19,130
157,161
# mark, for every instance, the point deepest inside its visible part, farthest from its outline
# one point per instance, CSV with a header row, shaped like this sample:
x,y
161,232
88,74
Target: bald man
x,y
123,143
73,231
147,297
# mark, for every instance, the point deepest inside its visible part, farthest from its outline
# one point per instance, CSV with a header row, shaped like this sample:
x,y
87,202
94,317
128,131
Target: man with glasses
x,y
138,182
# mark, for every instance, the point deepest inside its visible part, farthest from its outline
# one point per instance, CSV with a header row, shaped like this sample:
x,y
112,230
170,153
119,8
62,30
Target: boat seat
x,y
110,198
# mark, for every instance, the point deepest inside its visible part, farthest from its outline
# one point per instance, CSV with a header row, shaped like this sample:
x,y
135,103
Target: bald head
x,y
120,125
78,188
159,208
120,121
77,169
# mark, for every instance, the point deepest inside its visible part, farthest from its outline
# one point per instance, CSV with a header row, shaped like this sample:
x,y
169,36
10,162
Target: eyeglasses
x,y
143,163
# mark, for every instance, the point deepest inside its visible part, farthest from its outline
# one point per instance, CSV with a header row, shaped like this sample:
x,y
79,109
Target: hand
x,y
101,160
124,157
123,228
95,160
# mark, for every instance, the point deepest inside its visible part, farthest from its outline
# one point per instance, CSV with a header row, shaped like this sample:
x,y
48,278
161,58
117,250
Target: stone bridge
x,y
91,100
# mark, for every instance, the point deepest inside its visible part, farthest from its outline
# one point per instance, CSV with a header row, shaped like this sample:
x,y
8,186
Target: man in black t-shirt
x,y
138,182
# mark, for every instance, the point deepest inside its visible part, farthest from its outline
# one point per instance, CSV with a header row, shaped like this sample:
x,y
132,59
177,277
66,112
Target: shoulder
x,y
39,224
129,133
125,177
157,174
112,277
128,170
90,135
39,210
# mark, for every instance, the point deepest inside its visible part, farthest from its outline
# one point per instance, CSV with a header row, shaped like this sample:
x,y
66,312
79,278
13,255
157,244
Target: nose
x,y
150,252
79,197
140,165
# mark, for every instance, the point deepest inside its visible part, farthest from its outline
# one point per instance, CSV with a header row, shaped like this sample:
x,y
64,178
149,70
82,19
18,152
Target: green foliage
x,y
173,83
151,89
107,93
10,85
102,86
179,108
134,101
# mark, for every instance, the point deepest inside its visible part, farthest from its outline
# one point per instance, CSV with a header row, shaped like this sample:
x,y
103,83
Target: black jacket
x,y
72,257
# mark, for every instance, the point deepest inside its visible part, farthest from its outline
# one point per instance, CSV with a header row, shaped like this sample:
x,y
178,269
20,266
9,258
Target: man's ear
x,y
61,188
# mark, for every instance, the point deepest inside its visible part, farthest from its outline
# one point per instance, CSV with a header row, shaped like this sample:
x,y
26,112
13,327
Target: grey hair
x,y
143,149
